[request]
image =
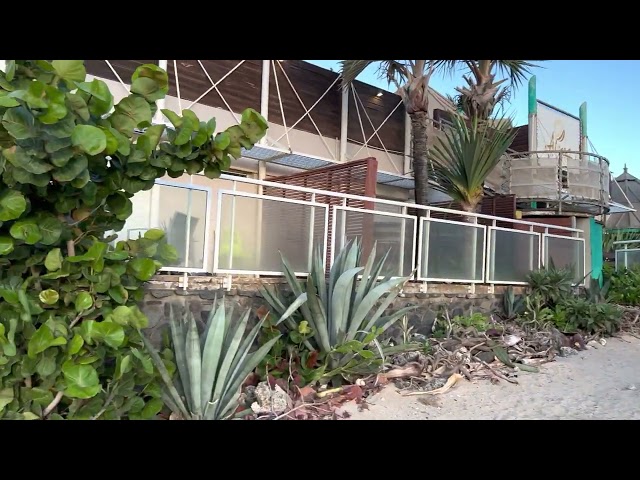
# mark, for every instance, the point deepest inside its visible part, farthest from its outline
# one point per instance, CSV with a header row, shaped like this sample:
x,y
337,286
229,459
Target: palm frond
x,y
350,69
463,159
393,71
516,71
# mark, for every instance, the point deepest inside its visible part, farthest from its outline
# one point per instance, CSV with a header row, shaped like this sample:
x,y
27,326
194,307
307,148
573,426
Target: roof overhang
x,y
301,161
615,207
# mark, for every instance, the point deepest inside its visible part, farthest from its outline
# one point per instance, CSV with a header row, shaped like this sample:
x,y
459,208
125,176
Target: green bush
x,y
70,161
624,286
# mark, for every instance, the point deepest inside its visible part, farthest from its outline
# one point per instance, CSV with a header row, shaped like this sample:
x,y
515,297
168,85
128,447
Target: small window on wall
x,y
182,212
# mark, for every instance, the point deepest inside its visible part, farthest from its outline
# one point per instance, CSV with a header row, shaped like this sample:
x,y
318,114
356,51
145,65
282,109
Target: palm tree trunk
x,y
419,125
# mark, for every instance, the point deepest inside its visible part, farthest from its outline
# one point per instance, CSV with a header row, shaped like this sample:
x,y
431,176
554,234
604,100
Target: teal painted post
x,y
596,250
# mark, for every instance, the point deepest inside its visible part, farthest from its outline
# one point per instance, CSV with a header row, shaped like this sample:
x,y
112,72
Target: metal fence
x,y
246,231
626,257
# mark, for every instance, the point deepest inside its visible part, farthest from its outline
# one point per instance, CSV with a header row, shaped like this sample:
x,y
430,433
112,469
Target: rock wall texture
x,y
244,293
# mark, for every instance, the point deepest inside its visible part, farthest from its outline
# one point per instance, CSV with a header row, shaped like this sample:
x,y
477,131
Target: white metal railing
x,y
250,229
626,257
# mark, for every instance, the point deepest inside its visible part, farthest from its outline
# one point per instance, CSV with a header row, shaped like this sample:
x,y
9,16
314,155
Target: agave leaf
x,y
292,308
360,291
178,336
166,377
336,269
320,278
393,293
273,300
290,275
167,398
228,356
369,301
373,279
351,261
385,322
212,352
245,368
318,317
340,303
207,327
194,360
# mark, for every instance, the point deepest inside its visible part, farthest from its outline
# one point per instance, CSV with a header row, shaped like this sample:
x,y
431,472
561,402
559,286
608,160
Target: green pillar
x,y
596,250
533,107
583,119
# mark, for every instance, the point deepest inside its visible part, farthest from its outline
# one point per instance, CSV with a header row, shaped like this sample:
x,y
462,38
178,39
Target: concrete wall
x,y
201,291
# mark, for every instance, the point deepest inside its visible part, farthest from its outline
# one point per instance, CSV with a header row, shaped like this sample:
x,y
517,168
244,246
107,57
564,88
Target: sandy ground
x,y
601,383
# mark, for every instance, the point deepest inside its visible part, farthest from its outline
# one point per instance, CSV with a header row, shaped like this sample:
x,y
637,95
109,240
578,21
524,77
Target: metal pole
x,y
188,232
262,174
407,143
233,226
312,221
426,233
560,183
402,240
264,95
344,124
161,104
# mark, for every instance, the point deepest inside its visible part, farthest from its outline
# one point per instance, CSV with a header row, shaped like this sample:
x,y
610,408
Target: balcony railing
x,y
565,178
232,228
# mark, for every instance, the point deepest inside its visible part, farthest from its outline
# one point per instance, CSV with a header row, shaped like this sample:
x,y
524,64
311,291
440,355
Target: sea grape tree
x,y
70,161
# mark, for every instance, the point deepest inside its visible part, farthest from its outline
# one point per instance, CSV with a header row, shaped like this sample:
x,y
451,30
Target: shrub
x,y
70,161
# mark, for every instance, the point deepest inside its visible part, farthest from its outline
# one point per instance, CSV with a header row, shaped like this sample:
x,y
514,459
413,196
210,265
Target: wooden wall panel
x,y
241,90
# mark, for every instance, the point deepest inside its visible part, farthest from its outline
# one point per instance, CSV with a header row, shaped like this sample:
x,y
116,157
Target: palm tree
x,y
465,156
482,93
411,78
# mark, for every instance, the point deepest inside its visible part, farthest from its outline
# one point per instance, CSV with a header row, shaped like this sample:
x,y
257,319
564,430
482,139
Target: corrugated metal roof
x,y
308,162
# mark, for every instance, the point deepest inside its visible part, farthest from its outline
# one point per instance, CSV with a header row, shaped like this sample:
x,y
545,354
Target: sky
x,y
608,86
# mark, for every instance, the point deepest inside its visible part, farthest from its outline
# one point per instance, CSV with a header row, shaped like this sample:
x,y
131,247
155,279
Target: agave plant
x,y
341,312
211,369
512,304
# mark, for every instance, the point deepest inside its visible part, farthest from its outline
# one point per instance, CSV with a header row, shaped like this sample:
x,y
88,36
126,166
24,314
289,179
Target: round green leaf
x,y
6,397
46,366
152,408
53,261
143,268
6,101
70,69
119,294
71,170
50,229
129,113
154,234
12,205
90,139
82,380
26,230
19,123
6,245
110,333
49,296
154,73
75,344
83,301
41,340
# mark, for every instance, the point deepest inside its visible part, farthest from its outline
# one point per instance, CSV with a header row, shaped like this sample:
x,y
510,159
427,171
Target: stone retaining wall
x,y
201,291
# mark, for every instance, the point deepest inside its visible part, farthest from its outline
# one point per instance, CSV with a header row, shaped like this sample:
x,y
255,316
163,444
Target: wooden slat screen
x,y
356,178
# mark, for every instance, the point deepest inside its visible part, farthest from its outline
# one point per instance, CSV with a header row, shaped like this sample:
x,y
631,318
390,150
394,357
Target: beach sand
x,y
602,383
